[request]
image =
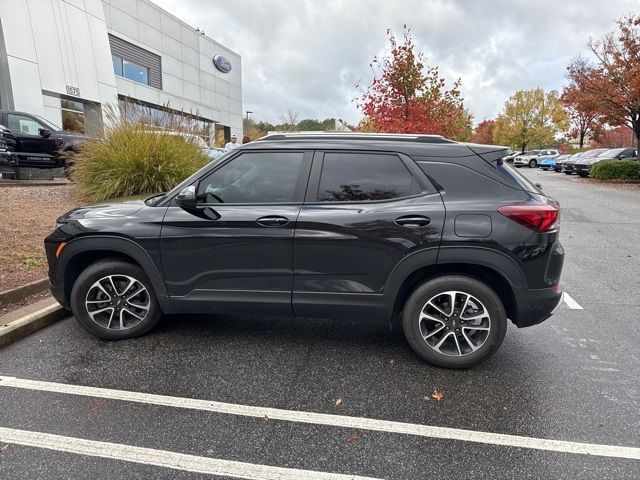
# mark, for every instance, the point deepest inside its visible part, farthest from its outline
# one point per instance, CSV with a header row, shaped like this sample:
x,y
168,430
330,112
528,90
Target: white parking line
x,y
331,420
164,458
571,303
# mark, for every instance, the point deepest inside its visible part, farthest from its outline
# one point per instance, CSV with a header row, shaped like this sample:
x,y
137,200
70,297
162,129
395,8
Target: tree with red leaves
x,y
613,83
408,97
484,132
584,118
620,136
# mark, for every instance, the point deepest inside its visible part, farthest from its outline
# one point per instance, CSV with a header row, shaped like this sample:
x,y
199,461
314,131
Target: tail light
x,y
539,218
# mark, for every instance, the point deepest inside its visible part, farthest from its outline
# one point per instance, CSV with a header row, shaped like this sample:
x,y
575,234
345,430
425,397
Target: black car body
x,y
561,159
569,165
583,165
35,142
335,226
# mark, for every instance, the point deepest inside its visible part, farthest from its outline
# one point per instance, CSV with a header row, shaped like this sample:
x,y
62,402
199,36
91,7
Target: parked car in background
x,y
569,165
583,165
36,141
509,158
525,158
548,162
557,167
342,226
214,153
533,157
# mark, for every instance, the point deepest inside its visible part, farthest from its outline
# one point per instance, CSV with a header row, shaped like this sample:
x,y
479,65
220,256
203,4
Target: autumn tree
x,y
483,132
612,83
407,96
531,118
584,118
620,136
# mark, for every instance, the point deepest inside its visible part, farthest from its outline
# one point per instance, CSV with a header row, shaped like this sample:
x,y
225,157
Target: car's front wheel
x,y
114,300
454,321
533,163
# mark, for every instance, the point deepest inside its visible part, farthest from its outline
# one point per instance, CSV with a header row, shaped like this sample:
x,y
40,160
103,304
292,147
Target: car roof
x,y
410,144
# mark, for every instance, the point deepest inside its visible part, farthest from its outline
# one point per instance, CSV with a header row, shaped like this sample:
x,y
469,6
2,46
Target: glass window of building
x,y
117,65
73,118
135,72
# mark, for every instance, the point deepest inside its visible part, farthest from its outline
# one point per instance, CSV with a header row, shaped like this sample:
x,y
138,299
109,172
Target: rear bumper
x,y
536,306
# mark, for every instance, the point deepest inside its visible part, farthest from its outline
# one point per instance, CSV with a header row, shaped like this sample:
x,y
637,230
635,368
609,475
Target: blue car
x,y
547,159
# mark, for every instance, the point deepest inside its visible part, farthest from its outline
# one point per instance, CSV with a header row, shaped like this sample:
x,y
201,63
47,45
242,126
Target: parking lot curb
x,y
17,294
26,320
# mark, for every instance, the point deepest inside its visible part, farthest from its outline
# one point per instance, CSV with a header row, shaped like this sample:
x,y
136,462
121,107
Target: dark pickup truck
x,y
32,141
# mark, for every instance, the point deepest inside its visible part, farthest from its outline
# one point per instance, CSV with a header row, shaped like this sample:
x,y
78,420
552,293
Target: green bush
x,y
616,170
131,159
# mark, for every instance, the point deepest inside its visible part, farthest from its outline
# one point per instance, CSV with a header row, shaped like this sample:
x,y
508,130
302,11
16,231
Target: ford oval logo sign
x,y
222,63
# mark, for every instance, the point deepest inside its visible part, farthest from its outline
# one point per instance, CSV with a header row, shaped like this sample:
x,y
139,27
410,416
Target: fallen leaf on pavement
x,y
3,446
352,438
97,406
392,362
437,394
265,419
338,402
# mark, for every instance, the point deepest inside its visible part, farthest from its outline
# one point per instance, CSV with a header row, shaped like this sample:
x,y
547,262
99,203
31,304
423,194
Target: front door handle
x,y
272,221
413,221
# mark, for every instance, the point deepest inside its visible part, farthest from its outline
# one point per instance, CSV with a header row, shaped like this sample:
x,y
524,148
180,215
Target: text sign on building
x,y
75,91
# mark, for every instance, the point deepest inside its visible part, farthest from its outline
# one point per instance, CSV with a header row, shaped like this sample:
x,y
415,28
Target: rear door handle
x,y
413,221
272,221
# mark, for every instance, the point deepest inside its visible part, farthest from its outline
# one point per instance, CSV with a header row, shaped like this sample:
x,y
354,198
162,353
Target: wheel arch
x,y
79,253
488,266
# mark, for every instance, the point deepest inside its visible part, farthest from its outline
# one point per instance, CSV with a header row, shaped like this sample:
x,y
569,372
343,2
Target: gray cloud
x,y
308,55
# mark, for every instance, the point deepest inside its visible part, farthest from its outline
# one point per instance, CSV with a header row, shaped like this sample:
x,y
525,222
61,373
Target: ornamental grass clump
x,y
133,158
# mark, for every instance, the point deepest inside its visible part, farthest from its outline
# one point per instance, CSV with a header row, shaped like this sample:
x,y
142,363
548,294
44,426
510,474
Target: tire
x,y
104,319
567,173
533,163
454,354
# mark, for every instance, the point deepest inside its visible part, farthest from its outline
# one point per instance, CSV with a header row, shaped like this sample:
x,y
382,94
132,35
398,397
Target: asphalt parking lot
x,y
329,394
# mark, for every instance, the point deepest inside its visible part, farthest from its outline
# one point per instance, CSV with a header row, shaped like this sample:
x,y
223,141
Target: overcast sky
x,y
308,55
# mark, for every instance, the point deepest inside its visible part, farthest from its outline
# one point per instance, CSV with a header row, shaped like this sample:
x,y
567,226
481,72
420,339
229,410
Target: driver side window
x,y
23,124
254,177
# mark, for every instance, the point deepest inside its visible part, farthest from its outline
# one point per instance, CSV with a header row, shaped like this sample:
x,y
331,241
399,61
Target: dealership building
x,y
73,61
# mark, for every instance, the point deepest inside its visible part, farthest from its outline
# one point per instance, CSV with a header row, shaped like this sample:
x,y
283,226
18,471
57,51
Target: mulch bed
x,y
27,216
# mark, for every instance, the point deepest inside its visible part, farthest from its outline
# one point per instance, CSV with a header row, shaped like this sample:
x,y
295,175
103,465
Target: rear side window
x,y
357,177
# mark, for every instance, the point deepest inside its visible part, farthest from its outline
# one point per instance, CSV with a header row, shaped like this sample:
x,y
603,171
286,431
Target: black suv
x,y
441,236
35,142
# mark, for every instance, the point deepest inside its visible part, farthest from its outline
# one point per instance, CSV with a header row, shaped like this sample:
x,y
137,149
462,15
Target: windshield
x,y
50,125
593,153
612,152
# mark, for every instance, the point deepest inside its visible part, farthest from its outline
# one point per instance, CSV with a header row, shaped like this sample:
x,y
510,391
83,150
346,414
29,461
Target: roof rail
x,y
394,137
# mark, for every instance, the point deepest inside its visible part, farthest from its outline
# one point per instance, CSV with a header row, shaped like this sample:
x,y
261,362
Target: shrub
x,y
130,159
616,169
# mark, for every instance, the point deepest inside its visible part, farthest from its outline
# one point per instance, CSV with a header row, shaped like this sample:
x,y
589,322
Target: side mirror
x,y
44,132
187,198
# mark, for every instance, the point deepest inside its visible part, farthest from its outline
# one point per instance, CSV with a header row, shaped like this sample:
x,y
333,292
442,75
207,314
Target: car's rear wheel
x,y
454,321
533,163
114,300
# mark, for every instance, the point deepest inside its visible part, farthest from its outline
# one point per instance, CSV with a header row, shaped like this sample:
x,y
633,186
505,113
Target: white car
x,y
533,157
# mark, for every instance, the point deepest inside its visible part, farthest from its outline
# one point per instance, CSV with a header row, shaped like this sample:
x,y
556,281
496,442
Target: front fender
x,y
115,245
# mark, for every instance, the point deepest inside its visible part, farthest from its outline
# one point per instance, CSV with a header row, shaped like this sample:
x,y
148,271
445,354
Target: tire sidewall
x,y
482,292
102,269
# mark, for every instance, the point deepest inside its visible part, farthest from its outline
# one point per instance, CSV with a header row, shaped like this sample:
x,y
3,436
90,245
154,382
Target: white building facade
x,y
69,60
